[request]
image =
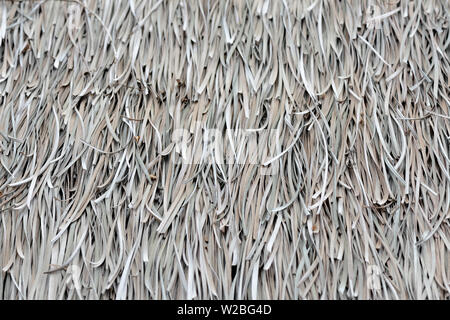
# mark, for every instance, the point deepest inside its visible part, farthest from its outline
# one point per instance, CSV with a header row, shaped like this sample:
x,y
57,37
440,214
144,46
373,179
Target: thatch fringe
x,y
349,193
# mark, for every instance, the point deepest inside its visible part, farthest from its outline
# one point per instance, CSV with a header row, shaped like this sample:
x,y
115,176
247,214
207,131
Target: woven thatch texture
x,y
351,196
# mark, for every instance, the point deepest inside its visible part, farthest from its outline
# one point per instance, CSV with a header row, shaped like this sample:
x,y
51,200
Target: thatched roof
x,y
331,179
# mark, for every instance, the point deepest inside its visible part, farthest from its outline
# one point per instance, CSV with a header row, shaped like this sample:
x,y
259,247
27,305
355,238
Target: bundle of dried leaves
x,y
347,194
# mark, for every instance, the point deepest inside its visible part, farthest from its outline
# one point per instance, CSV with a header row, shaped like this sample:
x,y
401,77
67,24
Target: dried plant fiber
x,y
348,198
